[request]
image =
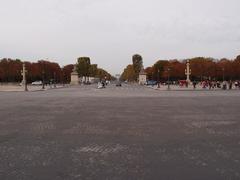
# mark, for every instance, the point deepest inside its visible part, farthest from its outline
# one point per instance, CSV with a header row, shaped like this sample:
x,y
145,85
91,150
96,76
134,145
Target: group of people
x,y
218,85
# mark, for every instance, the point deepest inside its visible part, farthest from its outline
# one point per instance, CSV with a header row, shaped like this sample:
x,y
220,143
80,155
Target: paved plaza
x,y
120,133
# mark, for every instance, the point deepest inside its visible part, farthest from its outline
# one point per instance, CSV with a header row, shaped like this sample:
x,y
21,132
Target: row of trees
x,y
85,70
10,70
201,69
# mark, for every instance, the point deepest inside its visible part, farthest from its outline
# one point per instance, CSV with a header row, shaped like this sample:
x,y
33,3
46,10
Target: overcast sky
x,y
111,31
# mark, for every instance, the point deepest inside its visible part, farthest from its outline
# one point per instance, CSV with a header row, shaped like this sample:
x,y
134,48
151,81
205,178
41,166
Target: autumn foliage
x,y
10,71
202,68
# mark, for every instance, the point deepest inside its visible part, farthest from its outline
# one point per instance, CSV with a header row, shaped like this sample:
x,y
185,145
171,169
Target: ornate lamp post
x,y
188,71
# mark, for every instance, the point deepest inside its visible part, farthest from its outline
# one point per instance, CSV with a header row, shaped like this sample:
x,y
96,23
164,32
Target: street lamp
x,y
43,80
168,70
43,75
63,76
24,81
54,76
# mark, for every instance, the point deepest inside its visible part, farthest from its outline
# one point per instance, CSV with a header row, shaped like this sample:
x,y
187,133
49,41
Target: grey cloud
x,y
110,31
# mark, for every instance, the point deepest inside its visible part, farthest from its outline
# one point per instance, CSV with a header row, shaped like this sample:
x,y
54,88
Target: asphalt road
x,y
128,133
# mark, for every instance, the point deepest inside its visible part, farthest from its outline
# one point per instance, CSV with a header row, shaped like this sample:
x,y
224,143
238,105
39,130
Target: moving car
x,y
37,83
118,84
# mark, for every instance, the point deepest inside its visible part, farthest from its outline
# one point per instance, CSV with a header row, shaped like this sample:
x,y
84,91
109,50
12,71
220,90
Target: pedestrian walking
x,y
236,84
194,84
224,85
210,84
230,85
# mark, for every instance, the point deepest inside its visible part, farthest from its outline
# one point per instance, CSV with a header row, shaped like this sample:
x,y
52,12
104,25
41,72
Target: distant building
x,y
117,76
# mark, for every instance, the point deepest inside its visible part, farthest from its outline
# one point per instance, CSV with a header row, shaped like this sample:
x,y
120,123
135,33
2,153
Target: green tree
x,y
83,67
128,74
103,74
137,65
93,70
159,67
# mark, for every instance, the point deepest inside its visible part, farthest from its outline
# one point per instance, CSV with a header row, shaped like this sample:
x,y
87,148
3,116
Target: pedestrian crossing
x,y
127,87
113,87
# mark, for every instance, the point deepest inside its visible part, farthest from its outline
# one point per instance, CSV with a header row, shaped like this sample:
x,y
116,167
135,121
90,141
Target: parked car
x,y
151,83
37,83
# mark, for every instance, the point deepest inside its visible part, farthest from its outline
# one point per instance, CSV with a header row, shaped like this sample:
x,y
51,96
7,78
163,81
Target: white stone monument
x,y
188,71
24,80
74,77
142,77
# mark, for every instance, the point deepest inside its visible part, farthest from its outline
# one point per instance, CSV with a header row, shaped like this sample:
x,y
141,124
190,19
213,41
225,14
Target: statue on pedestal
x,y
74,76
142,77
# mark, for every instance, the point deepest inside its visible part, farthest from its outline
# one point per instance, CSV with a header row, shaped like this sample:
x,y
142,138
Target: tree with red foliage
x,y
66,72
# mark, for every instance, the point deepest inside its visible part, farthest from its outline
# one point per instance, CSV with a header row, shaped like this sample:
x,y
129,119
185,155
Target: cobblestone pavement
x,y
18,88
131,132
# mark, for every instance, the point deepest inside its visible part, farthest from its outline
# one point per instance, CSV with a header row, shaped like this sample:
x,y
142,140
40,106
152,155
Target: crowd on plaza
x,y
208,84
205,84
